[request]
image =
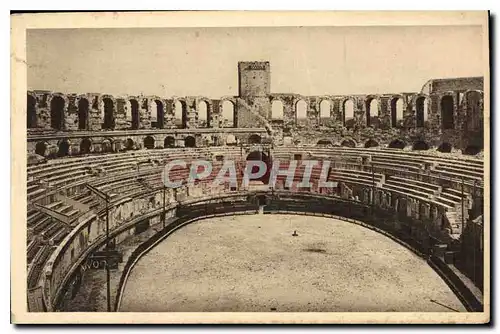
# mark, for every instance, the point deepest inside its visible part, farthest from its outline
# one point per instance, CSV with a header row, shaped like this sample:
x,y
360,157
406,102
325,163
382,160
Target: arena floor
x,y
253,263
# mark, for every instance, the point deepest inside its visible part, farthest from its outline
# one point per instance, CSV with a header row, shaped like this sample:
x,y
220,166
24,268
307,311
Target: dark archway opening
x,y
160,112
445,148
57,105
83,114
169,142
447,117
324,142
474,112
420,146
397,144
106,146
348,114
472,150
149,142
31,112
184,114
129,144
371,143
254,139
41,148
63,149
348,143
134,106
189,141
372,117
420,106
394,112
260,156
85,146
109,117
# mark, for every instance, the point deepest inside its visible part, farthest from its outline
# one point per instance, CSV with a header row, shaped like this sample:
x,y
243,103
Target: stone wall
x,y
381,118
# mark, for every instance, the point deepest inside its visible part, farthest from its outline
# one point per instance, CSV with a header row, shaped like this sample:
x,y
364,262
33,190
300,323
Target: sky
x,y
203,61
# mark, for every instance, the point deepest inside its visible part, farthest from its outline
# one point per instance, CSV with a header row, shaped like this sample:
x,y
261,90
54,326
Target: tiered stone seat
x,y
36,267
418,188
353,176
137,173
459,173
33,248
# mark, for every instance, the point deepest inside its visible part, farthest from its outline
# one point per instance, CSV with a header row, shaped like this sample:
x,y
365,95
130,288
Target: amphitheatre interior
x,y
409,165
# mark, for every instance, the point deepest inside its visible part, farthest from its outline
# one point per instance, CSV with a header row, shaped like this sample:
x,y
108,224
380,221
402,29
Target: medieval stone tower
x,y
254,79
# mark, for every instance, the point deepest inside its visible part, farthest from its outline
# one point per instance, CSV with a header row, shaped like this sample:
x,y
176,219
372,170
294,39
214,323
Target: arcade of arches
x,y
352,120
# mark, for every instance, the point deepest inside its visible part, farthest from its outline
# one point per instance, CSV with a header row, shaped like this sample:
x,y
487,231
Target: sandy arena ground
x,y
253,263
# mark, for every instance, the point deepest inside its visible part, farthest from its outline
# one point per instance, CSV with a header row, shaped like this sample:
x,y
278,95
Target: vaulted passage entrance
x,y
83,114
57,105
258,155
447,116
397,144
134,106
40,148
149,142
190,141
31,117
169,142
85,146
109,117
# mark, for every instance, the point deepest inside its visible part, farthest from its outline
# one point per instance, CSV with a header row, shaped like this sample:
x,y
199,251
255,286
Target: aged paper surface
x,y
101,85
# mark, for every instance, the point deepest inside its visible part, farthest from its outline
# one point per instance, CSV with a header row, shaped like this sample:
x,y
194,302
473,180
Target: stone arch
x,y
371,143
420,145
324,142
348,142
31,118
397,111
277,109
254,139
83,113
227,113
348,113
203,110
107,145
325,108
397,143
189,141
181,113
447,112
169,142
149,142
472,150
444,148
134,114
300,109
473,110
372,110
63,148
57,112
158,109
129,144
261,156
422,113
85,146
41,148
108,105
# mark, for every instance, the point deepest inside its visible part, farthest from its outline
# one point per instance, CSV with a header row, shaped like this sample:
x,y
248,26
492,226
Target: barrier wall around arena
x,y
406,230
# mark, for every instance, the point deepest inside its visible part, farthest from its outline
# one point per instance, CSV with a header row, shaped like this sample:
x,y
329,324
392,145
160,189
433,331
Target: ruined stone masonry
x,y
446,114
